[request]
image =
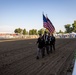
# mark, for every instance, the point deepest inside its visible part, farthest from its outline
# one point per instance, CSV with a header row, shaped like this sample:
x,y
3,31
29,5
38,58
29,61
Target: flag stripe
x,y
47,24
52,29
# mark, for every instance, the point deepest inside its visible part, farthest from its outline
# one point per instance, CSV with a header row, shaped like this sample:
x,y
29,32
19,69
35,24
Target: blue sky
x,y
28,14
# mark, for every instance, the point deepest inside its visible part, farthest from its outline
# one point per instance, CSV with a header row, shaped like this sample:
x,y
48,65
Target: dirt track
x,y
19,58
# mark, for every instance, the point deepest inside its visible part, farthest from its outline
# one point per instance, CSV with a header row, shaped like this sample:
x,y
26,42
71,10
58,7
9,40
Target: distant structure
x,y
8,35
16,35
67,35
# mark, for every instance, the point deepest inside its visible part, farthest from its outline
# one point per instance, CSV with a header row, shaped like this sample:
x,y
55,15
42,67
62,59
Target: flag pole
x,y
42,13
42,16
46,15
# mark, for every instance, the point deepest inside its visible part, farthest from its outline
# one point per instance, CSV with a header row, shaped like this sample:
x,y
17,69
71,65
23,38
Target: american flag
x,y
45,23
48,24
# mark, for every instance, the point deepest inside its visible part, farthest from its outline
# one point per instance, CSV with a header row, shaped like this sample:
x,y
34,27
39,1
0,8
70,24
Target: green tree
x,y
41,31
18,30
68,28
30,32
60,31
74,26
47,30
33,32
24,32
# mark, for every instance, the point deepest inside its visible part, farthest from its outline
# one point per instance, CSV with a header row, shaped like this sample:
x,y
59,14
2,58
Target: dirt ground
x,y
18,57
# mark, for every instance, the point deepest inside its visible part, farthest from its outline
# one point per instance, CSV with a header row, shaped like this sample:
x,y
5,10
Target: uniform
x,y
53,42
41,44
46,43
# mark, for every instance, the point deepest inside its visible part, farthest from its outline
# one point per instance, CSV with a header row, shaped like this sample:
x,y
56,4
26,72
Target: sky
x,y
28,14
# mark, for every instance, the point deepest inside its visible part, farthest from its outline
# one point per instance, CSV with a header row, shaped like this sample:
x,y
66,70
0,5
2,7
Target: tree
x,y
33,32
74,26
68,28
47,30
60,31
41,31
18,30
24,32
